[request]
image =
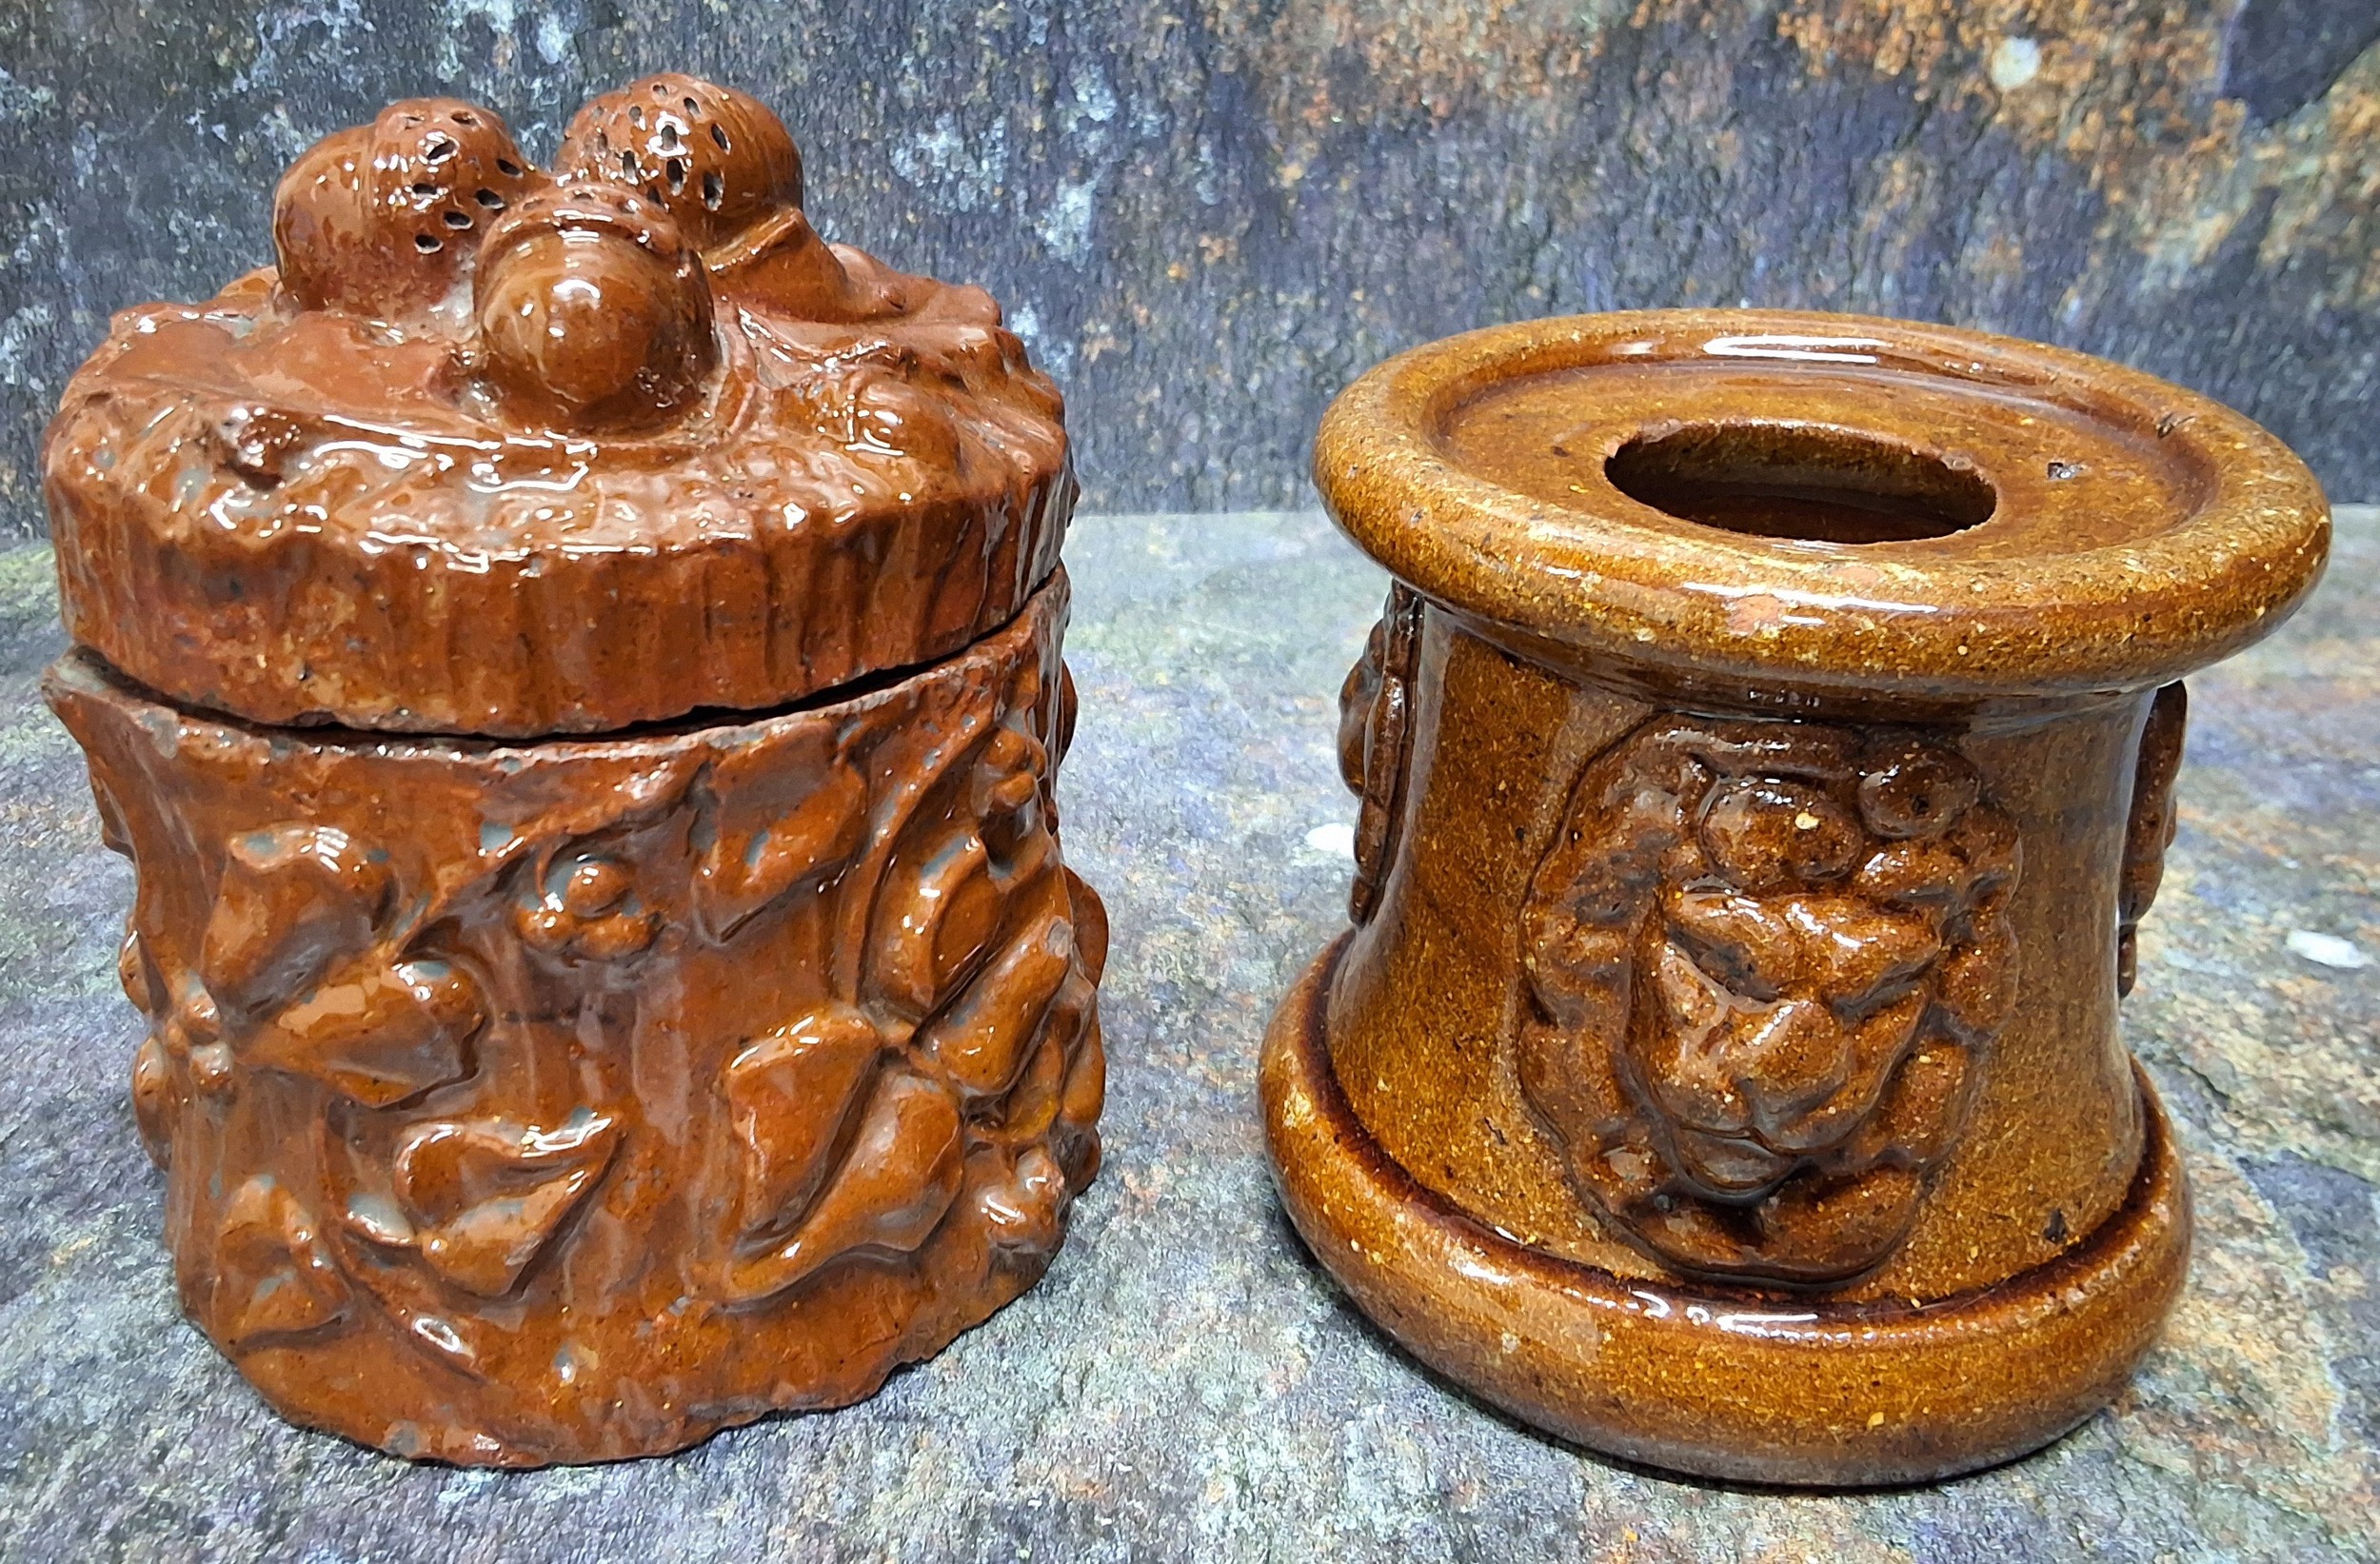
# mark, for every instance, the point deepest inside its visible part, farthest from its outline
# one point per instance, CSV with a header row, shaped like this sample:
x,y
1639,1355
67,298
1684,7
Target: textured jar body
x,y
571,1100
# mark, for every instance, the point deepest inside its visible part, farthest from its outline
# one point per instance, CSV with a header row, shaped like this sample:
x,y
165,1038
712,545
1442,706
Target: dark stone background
x,y
1209,214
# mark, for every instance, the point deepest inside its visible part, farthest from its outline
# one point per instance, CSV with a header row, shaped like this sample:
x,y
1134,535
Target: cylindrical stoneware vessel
x,y
574,660
1765,756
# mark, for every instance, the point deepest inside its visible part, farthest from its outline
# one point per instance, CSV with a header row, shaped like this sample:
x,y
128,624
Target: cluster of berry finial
x,y
582,295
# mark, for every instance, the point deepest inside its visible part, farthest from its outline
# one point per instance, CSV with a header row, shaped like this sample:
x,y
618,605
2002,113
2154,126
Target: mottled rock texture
x,y
1207,217
1184,1384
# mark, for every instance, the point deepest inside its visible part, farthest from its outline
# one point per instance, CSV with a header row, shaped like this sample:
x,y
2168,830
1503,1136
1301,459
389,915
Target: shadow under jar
x,y
1765,758
574,658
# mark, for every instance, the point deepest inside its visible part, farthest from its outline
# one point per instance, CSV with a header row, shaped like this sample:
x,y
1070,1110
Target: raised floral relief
x,y
970,1010
305,966
2148,826
769,823
1764,964
1376,740
457,1093
479,1198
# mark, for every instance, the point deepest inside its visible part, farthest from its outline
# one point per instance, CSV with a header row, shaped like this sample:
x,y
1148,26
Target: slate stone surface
x,y
1208,215
1185,1384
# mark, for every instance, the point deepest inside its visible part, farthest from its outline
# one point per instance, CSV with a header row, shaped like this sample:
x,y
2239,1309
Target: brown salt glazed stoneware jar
x,y
1765,756
574,660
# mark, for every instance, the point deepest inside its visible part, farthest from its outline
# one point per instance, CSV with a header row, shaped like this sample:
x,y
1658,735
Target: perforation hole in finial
x,y
489,199
439,148
457,218
428,244
714,158
510,169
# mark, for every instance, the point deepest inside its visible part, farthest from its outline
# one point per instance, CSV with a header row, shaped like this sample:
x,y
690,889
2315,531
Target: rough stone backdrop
x,y
1207,215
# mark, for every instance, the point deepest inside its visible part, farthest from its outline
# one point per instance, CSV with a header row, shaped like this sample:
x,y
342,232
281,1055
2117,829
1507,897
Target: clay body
x,y
575,663
1765,762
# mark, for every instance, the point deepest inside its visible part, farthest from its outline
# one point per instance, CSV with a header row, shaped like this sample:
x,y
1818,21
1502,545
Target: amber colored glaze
x,y
1765,760
531,1094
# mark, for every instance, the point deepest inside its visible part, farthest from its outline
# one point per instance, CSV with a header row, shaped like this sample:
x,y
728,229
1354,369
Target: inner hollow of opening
x,y
1791,481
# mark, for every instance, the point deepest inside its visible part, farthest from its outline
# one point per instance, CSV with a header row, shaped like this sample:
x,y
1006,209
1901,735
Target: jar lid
x,y
1788,508
508,451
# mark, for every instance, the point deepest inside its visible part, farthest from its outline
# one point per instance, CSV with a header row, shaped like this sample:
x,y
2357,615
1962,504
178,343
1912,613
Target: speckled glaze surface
x,y
574,661
1765,762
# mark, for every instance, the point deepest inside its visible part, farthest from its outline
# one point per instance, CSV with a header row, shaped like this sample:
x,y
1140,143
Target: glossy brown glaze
x,y
571,1100
495,454
1727,1382
1776,775
380,221
527,1092
1375,732
593,313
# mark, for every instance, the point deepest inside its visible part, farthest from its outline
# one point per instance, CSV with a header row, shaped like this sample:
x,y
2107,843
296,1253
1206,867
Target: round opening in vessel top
x,y
1815,484
1801,506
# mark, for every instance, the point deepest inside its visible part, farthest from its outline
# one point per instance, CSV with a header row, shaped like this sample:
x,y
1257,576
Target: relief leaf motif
x,y
789,1096
294,899
978,1040
380,1032
296,973
2149,829
773,822
274,1277
481,1198
896,1181
1376,740
1075,1139
947,892
158,1098
968,1037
